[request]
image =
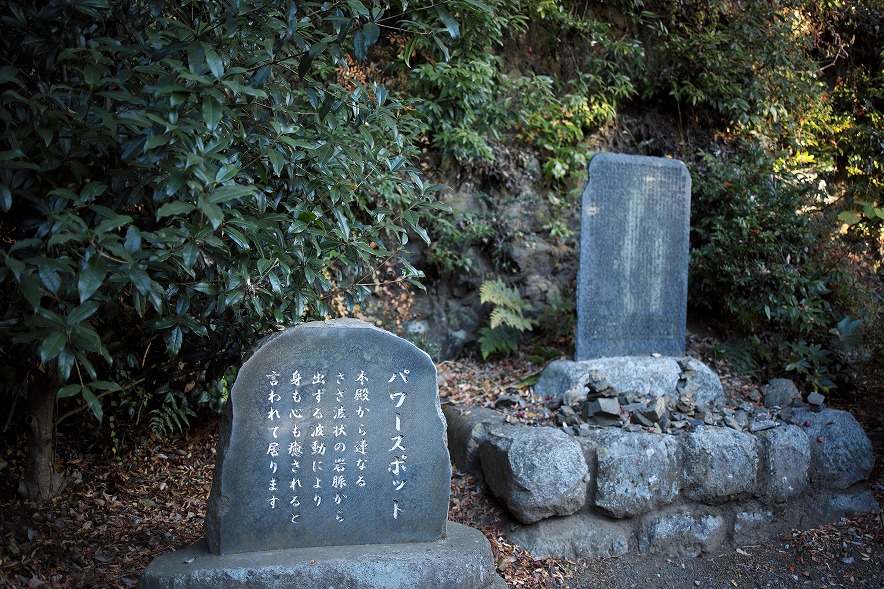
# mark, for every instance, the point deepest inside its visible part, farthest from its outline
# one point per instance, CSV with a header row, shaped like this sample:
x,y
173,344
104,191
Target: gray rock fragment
x,y
567,416
628,374
815,398
751,526
656,411
719,464
832,504
840,452
635,472
537,472
785,460
780,392
760,425
682,531
468,426
608,407
732,423
582,535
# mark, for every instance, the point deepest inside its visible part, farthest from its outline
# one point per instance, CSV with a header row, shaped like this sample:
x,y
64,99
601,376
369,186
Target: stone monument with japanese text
x,y
332,467
633,275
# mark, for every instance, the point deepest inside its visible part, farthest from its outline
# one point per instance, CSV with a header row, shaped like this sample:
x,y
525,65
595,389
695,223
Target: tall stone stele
x,y
332,468
633,276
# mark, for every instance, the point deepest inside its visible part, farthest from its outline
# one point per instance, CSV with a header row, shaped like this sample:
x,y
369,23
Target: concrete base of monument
x,y
462,560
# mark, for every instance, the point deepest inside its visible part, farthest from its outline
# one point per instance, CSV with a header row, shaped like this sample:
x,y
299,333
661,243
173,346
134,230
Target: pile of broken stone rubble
x,y
633,411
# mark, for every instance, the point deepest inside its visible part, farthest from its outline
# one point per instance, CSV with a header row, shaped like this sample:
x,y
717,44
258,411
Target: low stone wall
x,y
613,491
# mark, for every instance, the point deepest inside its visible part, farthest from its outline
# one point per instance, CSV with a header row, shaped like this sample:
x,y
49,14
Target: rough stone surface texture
x,y
536,472
682,531
461,560
468,428
831,504
333,436
780,392
582,535
752,525
676,494
629,374
719,464
785,462
633,275
634,473
840,452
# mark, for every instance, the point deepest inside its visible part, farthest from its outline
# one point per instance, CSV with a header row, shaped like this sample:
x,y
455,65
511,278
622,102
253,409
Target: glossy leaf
x,y
83,312
211,113
50,278
94,403
91,277
69,391
216,66
52,346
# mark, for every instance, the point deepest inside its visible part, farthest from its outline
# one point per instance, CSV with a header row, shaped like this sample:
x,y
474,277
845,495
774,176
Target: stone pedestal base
x,y
463,560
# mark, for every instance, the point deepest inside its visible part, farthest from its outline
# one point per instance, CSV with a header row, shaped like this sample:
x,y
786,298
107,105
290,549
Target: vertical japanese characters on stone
x,y
632,281
334,437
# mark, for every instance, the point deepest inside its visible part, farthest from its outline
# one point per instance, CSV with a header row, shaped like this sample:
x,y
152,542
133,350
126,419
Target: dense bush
x,y
762,270
178,179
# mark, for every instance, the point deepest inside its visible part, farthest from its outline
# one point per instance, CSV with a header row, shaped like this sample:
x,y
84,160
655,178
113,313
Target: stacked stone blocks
x,y
614,491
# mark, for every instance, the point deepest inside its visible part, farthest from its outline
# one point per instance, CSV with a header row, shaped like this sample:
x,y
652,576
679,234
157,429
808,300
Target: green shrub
x,y
453,236
179,179
758,263
737,64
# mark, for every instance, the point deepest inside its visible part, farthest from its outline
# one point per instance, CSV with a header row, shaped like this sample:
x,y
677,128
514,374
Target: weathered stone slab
x,y
634,374
634,473
720,464
582,535
460,561
468,427
683,531
840,452
333,436
632,281
785,460
537,472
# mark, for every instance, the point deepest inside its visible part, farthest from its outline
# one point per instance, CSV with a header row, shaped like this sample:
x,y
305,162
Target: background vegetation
x,y
179,179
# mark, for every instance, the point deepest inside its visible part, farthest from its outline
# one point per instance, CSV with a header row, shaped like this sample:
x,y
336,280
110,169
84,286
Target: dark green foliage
x,y
173,416
744,63
461,104
498,340
461,95
178,179
761,268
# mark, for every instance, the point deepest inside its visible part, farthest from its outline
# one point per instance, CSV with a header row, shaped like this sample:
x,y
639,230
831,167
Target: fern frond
x,y
501,339
498,293
510,317
171,417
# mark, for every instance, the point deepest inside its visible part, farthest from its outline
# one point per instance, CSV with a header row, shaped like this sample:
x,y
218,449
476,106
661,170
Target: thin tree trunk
x,y
40,481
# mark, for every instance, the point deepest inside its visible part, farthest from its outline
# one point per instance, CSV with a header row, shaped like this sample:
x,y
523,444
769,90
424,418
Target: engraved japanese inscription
x,y
334,437
632,281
